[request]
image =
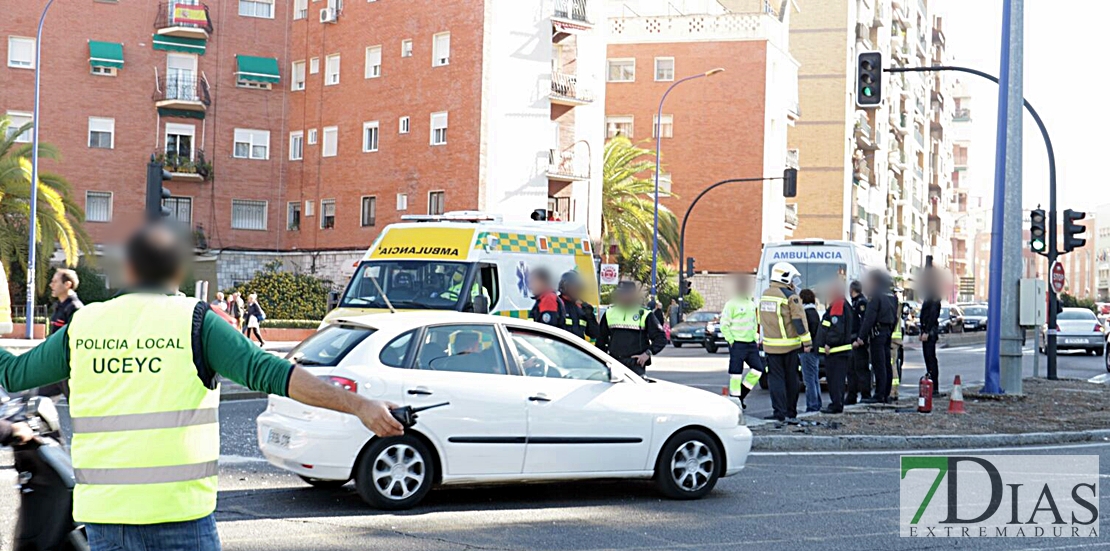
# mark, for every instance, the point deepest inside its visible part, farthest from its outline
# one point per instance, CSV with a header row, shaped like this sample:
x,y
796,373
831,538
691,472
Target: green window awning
x,y
177,44
106,54
257,69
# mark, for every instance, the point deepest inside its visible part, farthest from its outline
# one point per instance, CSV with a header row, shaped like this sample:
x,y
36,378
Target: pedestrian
x,y
63,287
548,308
255,316
219,303
811,361
657,311
859,373
145,401
834,341
235,309
785,336
629,332
896,343
930,333
875,331
581,317
740,328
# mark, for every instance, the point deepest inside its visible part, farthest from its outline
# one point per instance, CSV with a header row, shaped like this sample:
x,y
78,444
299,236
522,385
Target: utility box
x,y
1034,302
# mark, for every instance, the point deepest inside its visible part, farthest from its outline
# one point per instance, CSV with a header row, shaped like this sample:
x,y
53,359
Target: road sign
x,y
1058,279
610,274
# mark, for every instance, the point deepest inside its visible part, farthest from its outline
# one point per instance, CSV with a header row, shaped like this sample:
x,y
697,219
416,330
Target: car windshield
x,y
975,311
700,317
945,313
408,284
328,346
1080,315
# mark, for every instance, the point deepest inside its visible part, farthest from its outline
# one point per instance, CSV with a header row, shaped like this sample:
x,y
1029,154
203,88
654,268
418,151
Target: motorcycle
x,y
46,479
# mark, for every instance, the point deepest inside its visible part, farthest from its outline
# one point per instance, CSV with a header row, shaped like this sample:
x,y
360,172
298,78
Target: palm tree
x,y
628,201
59,217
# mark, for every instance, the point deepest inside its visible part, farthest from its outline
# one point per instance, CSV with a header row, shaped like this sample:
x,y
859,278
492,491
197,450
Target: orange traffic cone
x,y
956,400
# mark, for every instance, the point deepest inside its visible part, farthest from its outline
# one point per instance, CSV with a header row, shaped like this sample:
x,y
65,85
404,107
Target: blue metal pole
x,y
33,222
993,367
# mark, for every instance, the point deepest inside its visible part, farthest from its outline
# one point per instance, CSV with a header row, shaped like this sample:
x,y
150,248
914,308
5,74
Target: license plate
x,y
278,438
1075,341
684,335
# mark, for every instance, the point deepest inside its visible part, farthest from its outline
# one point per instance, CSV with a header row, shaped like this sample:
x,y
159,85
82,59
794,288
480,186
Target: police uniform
x,y
628,332
740,328
549,310
875,331
859,374
783,321
580,318
837,333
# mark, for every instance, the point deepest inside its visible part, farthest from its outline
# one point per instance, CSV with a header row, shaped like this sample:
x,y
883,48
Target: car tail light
x,y
1098,328
341,382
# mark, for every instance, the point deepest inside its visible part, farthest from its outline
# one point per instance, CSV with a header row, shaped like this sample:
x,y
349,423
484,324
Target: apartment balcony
x,y
566,91
183,20
897,160
573,12
182,95
903,125
865,134
962,114
568,165
898,48
936,125
790,220
880,19
193,167
861,174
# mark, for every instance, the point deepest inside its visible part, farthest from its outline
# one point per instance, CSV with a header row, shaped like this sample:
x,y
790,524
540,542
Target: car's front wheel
x,y
688,465
711,347
395,473
677,344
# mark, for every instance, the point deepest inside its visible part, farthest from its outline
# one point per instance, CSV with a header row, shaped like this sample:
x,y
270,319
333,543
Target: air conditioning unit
x,y
328,15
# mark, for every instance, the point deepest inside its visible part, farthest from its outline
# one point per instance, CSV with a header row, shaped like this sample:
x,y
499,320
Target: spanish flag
x,y
190,13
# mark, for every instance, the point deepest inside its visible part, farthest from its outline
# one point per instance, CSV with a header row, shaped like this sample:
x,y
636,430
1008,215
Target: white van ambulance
x,y
820,262
446,262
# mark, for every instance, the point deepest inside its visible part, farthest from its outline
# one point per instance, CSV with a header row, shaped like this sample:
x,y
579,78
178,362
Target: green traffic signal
x,y
867,91
1037,245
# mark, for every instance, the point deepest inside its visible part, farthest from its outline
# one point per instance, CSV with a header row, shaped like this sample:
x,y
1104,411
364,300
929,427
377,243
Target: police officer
x,y
875,330
859,374
834,340
144,400
581,318
740,328
549,308
629,332
784,337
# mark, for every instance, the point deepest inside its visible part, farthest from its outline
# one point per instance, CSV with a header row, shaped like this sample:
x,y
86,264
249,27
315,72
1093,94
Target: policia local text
x,y
128,365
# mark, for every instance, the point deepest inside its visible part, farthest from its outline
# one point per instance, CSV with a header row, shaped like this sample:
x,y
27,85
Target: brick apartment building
x,y
730,125
298,129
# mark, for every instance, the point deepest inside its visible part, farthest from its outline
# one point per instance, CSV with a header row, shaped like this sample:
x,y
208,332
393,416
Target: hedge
x,y
286,295
290,324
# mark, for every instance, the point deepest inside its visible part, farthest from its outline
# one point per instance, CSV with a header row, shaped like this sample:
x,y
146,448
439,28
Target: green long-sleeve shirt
x,y
226,351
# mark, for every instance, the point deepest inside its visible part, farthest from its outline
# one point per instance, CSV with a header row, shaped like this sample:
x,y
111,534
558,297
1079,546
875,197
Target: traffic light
x,y
790,182
1072,231
155,193
690,267
869,79
685,288
1037,235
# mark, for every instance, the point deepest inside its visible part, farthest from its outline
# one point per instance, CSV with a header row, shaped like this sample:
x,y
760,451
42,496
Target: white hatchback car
x,y
527,403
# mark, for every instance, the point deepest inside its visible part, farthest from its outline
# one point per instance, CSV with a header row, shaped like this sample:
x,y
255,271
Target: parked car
x,y
714,340
975,317
951,319
1076,329
526,402
692,329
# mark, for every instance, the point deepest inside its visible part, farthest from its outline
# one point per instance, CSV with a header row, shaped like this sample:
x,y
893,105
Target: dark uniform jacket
x,y
930,318
63,312
623,343
837,329
859,307
879,316
581,320
549,310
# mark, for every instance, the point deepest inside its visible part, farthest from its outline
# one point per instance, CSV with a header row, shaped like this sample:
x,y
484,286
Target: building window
x,y
181,209
98,206
293,216
331,71
664,69
403,125
402,201
406,48
248,215
179,140
666,126
369,211
441,49
17,119
252,144
312,136
296,146
300,9
373,62
331,141
327,214
104,71
309,209
618,126
622,70
439,128
21,52
102,132
369,136
436,201
298,76
254,85
314,66
257,8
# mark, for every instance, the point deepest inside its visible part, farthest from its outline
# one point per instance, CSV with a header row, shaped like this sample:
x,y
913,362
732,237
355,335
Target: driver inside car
x,y
468,355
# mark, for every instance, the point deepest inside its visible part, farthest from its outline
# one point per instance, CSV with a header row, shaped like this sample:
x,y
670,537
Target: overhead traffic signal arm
x,y
869,79
1073,231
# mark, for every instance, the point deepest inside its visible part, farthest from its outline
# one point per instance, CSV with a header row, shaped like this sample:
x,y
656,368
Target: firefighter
x,y
629,332
581,318
859,374
896,345
740,328
878,324
549,308
784,337
834,339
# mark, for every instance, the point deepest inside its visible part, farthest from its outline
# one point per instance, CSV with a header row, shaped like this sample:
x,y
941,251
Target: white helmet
x,y
785,273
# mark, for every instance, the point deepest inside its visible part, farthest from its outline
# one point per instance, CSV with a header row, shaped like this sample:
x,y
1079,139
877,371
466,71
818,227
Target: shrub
x,y
290,324
288,296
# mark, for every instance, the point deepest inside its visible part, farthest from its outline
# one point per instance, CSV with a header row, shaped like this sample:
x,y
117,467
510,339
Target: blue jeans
x,y
811,374
193,535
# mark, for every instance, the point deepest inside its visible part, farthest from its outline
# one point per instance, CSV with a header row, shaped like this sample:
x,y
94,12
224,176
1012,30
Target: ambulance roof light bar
x,y
453,216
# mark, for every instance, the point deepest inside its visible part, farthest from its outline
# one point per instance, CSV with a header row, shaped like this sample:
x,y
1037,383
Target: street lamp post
x,y
658,146
35,118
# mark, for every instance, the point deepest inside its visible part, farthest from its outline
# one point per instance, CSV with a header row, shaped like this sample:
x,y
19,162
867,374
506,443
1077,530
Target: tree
x,y
628,201
59,217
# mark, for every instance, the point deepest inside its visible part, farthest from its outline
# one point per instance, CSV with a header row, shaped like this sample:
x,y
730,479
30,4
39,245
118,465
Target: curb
x,y
863,442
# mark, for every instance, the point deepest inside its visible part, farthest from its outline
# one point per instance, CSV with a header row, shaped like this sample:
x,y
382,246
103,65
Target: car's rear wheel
x,y
711,347
1106,356
395,473
323,484
688,465
677,344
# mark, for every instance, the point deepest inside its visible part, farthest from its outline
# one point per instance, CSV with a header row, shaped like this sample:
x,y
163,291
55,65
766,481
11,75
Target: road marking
x,y
931,452
240,459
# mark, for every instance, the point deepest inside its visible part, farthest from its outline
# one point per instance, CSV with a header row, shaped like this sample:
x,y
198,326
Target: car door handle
x,y
419,392
539,398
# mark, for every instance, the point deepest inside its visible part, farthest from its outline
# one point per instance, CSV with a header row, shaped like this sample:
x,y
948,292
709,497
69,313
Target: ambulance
x,y
820,262
466,262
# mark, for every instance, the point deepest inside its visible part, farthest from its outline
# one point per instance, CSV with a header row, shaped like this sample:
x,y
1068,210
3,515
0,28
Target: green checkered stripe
x,y
518,314
562,245
524,243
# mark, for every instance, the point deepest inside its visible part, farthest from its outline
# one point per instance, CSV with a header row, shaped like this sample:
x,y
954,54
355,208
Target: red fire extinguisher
x,y
925,395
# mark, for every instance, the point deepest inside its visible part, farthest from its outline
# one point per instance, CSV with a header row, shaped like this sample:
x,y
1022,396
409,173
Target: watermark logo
x,y
999,496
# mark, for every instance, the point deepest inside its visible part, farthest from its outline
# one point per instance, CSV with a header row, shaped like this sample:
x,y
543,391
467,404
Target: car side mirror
x,y
481,305
333,300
